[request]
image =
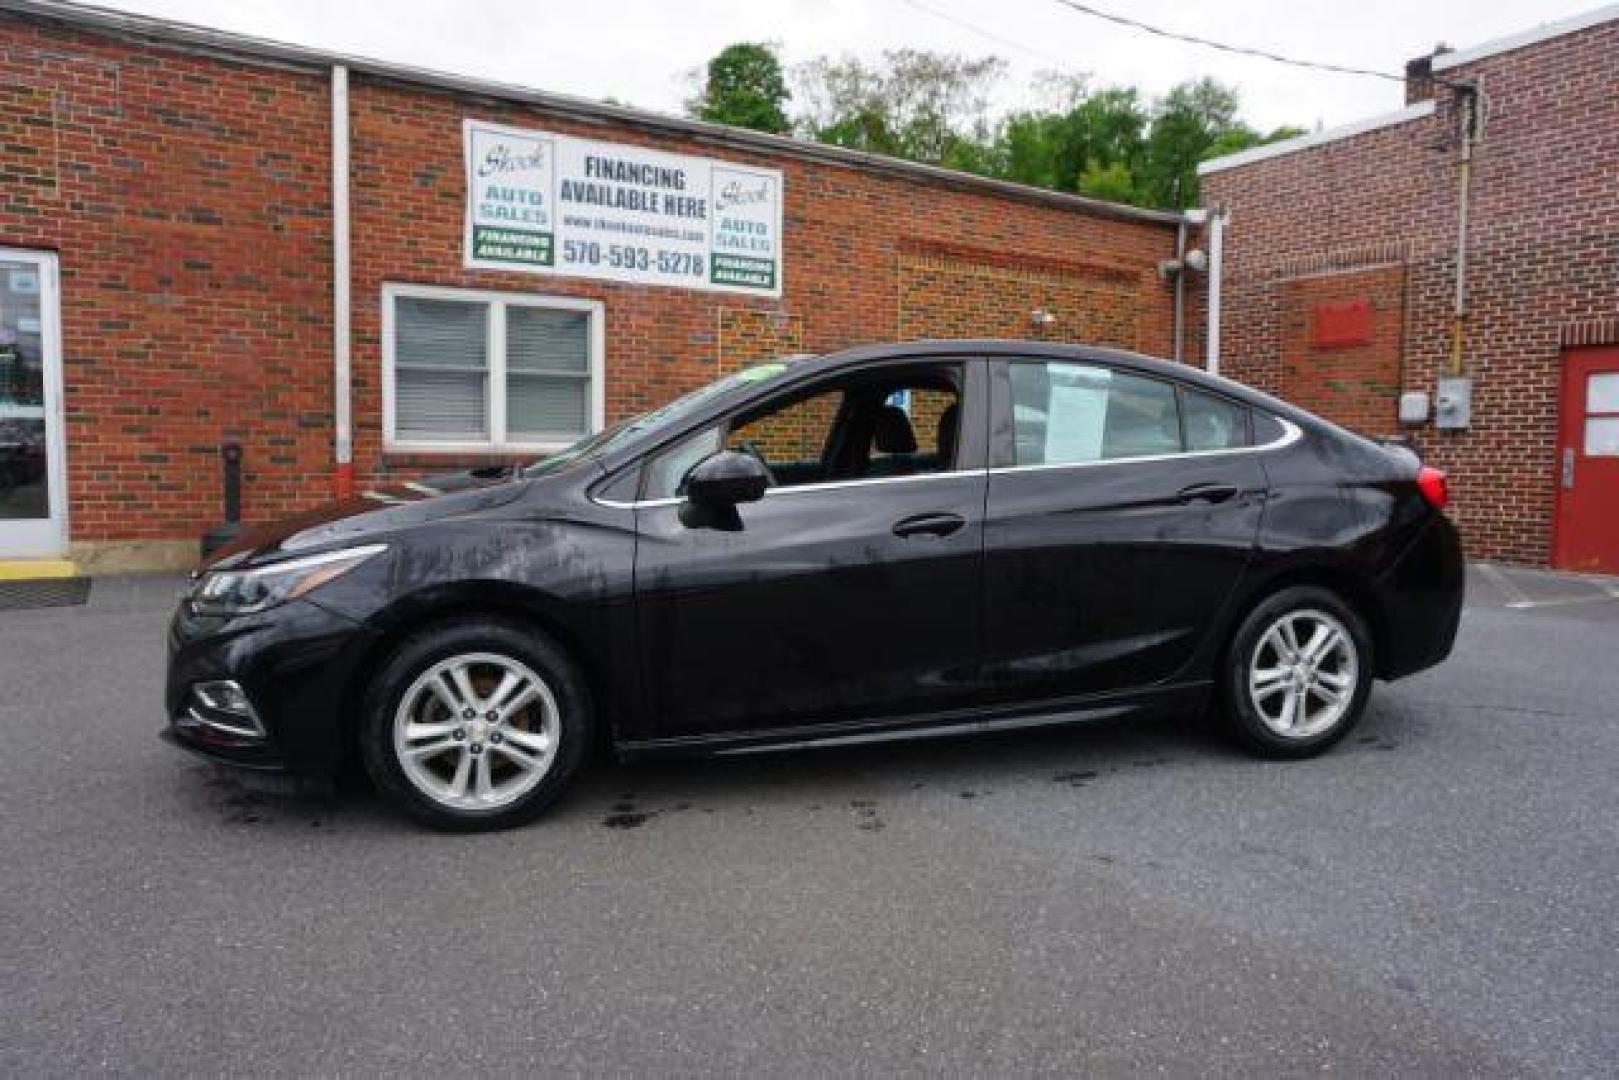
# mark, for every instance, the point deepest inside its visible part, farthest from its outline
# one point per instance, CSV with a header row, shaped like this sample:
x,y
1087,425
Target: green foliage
x,y
745,88
918,105
1108,143
1114,183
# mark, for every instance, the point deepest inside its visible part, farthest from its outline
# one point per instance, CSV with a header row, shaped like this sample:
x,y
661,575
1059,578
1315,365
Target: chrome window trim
x,y
1291,433
828,485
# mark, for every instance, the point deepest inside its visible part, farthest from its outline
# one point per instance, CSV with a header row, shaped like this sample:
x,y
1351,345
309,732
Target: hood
x,y
374,512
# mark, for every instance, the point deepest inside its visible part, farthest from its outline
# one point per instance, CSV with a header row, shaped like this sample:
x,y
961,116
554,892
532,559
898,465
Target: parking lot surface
x,y
1437,896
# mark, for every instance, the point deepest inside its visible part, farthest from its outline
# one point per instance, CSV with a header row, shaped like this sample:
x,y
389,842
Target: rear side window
x,y
1068,414
1267,429
1212,423
1065,414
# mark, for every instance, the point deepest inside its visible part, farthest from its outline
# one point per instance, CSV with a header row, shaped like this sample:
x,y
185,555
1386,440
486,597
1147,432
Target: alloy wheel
x,y
477,731
1303,674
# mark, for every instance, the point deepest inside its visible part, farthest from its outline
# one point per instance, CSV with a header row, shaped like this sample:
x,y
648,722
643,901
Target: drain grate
x,y
46,592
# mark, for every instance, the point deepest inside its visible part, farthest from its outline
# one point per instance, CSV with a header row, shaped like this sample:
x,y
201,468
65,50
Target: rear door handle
x,y
1213,493
929,524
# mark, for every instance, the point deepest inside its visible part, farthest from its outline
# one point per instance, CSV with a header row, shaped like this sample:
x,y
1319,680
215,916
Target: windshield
x,y
664,416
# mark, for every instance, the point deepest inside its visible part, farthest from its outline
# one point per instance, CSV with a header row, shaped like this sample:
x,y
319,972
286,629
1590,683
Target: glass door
x,y
33,504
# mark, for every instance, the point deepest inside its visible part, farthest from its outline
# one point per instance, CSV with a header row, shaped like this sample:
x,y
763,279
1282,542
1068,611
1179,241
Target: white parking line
x,y
1516,597
1518,605
1518,600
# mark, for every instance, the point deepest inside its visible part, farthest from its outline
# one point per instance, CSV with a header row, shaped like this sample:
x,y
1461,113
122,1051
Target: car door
x,y
851,591
1121,512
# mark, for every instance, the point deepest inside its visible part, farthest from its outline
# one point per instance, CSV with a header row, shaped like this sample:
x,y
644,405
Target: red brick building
x,y
205,238
1342,251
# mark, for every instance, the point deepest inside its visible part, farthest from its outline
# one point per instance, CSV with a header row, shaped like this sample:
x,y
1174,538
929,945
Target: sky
x,y
644,52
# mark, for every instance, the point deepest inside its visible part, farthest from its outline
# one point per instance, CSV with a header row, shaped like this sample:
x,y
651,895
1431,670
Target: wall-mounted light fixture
x,y
1194,261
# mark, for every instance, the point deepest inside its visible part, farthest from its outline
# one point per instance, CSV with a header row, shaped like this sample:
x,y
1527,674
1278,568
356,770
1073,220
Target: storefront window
x,y
472,371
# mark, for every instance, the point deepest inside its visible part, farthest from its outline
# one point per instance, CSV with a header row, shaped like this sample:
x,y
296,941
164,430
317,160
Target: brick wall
x,y
1542,263
1351,377
188,199
851,239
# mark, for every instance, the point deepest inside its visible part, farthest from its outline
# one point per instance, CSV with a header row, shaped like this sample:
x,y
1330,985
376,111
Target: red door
x,y
1587,535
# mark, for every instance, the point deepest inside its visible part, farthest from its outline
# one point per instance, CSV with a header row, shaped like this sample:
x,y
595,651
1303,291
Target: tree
x,y
745,88
1242,137
1097,134
1188,124
1108,143
923,106
1114,182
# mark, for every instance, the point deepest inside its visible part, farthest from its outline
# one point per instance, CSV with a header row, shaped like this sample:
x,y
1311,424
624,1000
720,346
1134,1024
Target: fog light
x,y
225,696
223,706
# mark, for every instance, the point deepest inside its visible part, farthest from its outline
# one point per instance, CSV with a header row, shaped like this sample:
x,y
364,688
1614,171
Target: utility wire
x,y
1136,24
990,34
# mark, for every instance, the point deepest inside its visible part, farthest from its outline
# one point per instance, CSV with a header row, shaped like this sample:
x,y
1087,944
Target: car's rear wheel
x,y
475,724
1298,673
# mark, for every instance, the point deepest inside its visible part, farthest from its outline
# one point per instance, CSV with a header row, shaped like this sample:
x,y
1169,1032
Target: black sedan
x,y
885,543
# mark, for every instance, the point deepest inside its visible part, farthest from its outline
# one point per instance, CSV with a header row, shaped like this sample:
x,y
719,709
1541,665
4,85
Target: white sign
x,y
1077,412
554,204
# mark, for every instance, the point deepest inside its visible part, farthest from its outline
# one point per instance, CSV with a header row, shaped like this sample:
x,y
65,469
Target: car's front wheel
x,y
1298,673
475,724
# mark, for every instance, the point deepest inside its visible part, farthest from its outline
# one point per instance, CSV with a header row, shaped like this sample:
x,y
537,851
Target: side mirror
x,y
727,478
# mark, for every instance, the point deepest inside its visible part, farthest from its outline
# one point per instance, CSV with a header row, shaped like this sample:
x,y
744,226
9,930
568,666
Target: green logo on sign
x,y
521,247
743,271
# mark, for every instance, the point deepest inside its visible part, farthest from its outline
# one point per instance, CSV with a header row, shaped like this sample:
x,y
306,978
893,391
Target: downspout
x,y
342,401
1468,106
1216,259
1180,288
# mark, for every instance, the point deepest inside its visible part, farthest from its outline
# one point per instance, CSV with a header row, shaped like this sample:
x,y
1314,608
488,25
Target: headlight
x,y
241,592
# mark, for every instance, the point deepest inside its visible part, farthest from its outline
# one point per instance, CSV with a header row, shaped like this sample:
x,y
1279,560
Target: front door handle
x,y
1568,468
929,525
1213,493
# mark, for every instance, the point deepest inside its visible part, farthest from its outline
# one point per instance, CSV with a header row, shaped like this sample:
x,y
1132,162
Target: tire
x,y
1263,673
503,763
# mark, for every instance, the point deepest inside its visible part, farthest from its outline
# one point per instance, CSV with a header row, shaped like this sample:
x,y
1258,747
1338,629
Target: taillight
x,y
1431,482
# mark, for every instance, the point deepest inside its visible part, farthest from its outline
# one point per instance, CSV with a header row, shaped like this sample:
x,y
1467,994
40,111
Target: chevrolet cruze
x,y
885,543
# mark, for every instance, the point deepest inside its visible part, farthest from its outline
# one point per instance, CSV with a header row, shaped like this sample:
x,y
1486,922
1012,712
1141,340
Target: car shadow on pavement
x,y
628,795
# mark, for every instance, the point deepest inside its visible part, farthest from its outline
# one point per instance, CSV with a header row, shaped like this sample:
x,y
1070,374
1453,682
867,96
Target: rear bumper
x,y
1421,597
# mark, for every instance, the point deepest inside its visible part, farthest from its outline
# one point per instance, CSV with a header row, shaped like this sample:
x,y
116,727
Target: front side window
x,y
863,426
791,440
1069,414
469,370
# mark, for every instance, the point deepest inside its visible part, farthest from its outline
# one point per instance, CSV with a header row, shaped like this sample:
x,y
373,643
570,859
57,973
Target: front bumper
x,y
296,664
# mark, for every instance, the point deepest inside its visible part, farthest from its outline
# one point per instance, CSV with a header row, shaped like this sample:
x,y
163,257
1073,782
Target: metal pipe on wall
x,y
342,398
1467,104
1180,288
1216,221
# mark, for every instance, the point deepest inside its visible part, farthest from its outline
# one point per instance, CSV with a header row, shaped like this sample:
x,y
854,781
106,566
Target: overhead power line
x,y
990,34
1239,50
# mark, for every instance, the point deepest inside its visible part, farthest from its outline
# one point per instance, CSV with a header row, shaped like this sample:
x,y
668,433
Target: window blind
x,y
441,369
547,373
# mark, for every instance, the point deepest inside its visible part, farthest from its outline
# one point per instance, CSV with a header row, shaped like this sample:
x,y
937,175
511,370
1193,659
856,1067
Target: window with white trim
x,y
465,370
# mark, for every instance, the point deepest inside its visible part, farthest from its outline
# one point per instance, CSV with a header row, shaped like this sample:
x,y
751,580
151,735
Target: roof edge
x,y
1317,138
1532,36
192,37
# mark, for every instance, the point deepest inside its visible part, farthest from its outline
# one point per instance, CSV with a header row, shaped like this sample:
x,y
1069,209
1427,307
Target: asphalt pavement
x,y
1436,897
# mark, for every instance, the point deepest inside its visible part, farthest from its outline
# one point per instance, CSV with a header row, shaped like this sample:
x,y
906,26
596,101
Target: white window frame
x,y
495,331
